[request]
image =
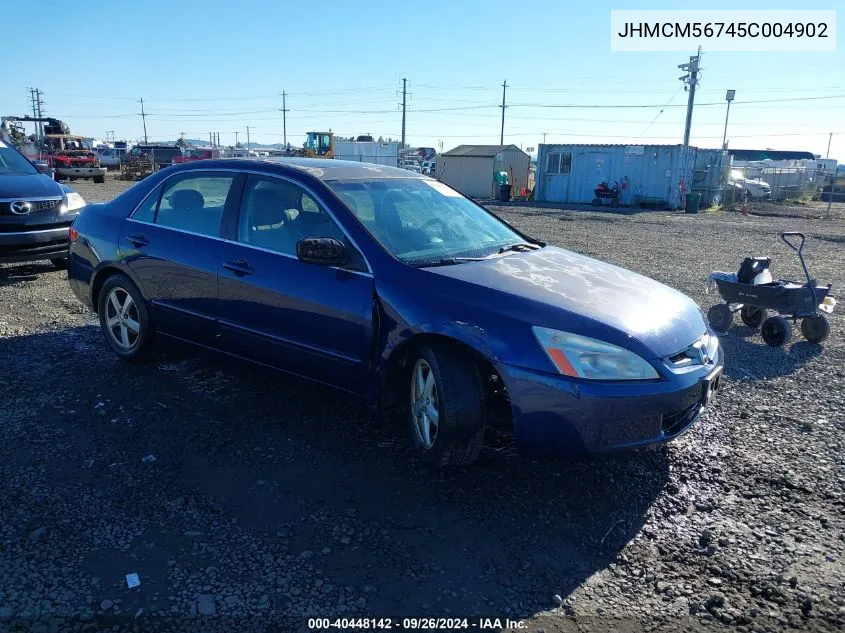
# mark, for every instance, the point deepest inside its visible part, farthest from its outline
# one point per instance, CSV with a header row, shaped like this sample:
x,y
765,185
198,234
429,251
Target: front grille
x,y
38,206
9,249
21,228
675,422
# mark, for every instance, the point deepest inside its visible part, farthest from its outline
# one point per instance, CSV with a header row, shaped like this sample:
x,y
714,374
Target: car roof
x,y
321,168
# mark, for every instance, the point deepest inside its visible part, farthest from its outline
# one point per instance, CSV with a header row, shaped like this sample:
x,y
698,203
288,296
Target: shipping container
x,y
647,175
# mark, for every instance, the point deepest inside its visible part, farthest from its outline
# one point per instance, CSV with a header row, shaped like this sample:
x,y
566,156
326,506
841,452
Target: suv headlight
x,y
73,202
583,357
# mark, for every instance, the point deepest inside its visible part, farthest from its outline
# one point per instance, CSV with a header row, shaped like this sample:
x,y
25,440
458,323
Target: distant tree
x,y
181,142
239,145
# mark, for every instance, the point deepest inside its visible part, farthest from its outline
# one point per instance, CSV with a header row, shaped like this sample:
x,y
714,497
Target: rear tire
x,y
752,316
452,406
815,328
776,331
720,317
124,319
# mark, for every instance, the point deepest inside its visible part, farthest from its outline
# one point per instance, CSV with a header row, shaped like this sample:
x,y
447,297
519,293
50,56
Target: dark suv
x,y
35,211
161,155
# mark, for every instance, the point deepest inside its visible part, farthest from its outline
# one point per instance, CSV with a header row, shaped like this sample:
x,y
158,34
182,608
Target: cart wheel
x,y
815,328
776,331
752,316
720,317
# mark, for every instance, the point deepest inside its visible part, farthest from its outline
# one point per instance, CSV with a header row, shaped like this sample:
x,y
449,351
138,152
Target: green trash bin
x,y
693,202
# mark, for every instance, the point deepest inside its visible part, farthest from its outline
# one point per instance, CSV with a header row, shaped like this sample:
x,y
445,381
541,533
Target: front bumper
x,y
27,245
80,172
555,415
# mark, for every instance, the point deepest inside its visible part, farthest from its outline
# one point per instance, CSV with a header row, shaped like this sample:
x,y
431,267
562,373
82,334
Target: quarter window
x,y
194,203
147,211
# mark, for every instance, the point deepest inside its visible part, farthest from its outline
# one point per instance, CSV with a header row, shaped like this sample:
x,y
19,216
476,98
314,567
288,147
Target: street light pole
x,y
729,96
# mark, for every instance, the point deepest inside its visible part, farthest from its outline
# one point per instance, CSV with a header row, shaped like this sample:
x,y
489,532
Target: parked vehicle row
x,y
394,287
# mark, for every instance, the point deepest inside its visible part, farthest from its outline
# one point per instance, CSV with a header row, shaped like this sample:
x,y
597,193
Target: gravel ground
x,y
249,500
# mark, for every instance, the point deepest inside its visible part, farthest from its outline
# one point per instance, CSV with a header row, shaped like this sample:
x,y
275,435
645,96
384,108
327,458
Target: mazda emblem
x,y
21,207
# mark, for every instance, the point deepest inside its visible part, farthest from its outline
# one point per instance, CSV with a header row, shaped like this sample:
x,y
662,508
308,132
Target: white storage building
x,y
470,168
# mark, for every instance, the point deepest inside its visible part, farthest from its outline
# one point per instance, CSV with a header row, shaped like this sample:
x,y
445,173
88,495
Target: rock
x,y
36,534
558,600
326,550
716,600
793,581
206,607
6,613
705,537
661,586
715,582
806,426
106,604
723,541
307,554
345,540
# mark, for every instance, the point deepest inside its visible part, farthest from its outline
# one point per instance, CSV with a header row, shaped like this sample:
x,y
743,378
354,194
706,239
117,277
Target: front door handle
x,y
138,240
240,267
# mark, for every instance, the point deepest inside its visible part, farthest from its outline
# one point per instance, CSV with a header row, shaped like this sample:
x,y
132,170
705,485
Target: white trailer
x,y
368,152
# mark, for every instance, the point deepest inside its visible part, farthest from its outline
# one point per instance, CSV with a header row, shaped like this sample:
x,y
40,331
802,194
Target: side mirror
x,y
323,251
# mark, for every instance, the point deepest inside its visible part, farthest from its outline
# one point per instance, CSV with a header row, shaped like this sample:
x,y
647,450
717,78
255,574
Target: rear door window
x,y
195,203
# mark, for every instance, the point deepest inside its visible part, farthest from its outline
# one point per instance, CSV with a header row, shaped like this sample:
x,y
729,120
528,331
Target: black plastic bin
x,y
504,193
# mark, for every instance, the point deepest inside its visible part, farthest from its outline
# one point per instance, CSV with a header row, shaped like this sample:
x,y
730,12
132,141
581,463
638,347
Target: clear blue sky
x,y
209,66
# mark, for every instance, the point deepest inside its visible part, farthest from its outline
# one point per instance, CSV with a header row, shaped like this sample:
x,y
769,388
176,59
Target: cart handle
x,y
784,236
791,245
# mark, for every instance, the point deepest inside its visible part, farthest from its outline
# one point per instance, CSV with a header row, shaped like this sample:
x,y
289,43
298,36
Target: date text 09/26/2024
x,y
414,624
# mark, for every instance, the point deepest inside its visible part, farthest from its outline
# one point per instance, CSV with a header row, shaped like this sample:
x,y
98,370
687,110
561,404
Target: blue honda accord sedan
x,y
394,287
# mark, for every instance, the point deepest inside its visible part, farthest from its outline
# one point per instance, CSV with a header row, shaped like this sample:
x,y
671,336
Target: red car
x,y
196,154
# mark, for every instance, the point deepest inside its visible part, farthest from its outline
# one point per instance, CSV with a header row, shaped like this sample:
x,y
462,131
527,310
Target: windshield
x,y
421,221
11,162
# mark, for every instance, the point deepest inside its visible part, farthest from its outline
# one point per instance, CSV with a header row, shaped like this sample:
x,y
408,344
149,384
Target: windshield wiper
x,y
519,247
444,261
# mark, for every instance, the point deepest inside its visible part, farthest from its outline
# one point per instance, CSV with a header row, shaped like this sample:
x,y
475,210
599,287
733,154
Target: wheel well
x,y
495,392
97,284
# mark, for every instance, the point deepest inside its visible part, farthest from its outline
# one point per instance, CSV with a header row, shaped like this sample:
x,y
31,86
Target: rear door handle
x,y
138,240
239,267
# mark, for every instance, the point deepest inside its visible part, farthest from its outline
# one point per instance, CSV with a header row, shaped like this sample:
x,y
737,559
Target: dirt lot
x,y
270,500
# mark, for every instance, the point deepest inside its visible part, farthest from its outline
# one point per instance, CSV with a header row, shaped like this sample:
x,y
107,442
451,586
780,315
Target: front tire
x,y
446,406
124,319
776,331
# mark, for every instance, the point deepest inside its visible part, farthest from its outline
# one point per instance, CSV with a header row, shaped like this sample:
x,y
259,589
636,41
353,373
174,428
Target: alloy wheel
x,y
122,320
425,410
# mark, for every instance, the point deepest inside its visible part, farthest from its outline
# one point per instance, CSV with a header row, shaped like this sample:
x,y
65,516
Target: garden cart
x,y
752,293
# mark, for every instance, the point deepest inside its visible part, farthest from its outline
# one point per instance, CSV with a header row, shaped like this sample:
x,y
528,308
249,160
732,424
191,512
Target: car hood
x,y
28,186
659,317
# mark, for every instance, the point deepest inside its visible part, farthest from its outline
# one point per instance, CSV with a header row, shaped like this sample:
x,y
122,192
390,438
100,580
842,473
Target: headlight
x,y
583,357
73,202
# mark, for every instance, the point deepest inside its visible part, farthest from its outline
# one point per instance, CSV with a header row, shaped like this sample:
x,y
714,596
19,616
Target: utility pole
x,y
691,81
144,119
284,121
503,106
729,96
236,138
544,137
829,140
404,105
182,137
247,140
